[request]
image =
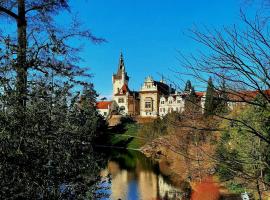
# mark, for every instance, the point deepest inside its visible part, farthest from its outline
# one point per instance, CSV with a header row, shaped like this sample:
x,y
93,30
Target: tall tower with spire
x,y
121,78
127,101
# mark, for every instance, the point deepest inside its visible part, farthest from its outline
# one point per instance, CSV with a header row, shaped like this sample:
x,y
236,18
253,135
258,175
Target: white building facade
x,y
176,103
104,108
172,103
150,94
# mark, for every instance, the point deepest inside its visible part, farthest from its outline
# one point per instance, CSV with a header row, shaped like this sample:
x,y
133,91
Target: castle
x,y
154,99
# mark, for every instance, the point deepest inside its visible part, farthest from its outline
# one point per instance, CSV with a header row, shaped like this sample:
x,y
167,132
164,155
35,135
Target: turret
x,y
121,77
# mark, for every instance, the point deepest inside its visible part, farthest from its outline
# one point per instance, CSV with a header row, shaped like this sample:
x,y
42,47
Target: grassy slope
x,y
119,139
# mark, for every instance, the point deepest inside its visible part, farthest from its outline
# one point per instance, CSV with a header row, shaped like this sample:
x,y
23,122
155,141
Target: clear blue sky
x,y
148,32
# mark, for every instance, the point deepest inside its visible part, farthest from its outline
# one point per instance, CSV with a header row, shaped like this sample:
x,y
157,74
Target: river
x,y
129,175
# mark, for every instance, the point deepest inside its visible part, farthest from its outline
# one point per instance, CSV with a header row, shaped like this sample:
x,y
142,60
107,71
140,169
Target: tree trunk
x,y
21,66
258,190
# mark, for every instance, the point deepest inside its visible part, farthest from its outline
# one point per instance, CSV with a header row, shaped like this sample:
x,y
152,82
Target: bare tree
x,y
240,57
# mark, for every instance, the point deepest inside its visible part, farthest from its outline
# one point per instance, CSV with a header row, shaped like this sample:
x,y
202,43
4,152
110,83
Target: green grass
x,y
126,137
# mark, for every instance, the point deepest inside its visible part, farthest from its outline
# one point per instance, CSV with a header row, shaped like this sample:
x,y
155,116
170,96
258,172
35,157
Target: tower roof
x,y
121,65
121,68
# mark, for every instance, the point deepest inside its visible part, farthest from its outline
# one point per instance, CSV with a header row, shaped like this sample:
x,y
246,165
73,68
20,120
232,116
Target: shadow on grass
x,y
112,136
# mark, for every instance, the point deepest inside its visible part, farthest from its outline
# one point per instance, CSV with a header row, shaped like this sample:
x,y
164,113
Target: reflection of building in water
x,y
167,190
119,186
148,185
138,184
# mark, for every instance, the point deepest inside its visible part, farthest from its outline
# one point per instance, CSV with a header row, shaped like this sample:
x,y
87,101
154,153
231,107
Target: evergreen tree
x,y
191,101
222,100
56,147
188,86
209,107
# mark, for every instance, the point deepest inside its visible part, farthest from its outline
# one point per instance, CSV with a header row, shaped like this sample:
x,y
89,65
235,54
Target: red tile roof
x,y
103,104
246,95
124,89
199,94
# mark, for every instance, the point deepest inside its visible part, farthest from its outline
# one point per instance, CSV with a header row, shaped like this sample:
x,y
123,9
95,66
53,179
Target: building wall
x,y
172,103
122,104
117,85
153,98
104,112
133,106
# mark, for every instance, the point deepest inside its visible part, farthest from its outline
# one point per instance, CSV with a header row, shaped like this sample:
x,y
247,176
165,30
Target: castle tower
x,y
120,78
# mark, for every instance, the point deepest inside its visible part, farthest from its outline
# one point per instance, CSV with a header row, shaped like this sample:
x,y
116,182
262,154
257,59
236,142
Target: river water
x,y
129,175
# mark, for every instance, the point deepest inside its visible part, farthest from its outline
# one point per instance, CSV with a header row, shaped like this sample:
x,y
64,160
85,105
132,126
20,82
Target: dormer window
x,y
170,101
178,101
162,102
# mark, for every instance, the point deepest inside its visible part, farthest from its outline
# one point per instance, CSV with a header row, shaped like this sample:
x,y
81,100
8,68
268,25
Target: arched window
x,y
148,102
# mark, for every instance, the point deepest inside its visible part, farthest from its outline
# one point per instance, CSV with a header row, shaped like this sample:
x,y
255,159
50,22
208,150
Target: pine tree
x,y
222,100
188,86
209,107
190,101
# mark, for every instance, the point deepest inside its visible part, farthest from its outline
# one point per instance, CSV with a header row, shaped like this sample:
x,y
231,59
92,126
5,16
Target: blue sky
x,y
148,32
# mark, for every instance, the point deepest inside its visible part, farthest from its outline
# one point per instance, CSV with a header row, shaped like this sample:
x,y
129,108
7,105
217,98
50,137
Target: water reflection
x,y
132,176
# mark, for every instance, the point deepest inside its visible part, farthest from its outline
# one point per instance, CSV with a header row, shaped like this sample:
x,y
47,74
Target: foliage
x,y
240,154
215,99
191,102
188,86
159,127
46,141
222,100
210,98
54,157
235,188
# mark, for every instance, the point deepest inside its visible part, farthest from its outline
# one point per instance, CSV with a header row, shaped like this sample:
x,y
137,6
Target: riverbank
x,y
183,168
185,154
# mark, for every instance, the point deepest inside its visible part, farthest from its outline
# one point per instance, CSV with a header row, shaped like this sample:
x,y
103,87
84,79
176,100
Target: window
x,y
122,108
105,113
148,104
163,109
121,100
178,101
162,102
170,102
160,110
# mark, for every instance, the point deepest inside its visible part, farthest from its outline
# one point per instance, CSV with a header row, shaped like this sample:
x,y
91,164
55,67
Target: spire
x,y
162,79
121,65
121,71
